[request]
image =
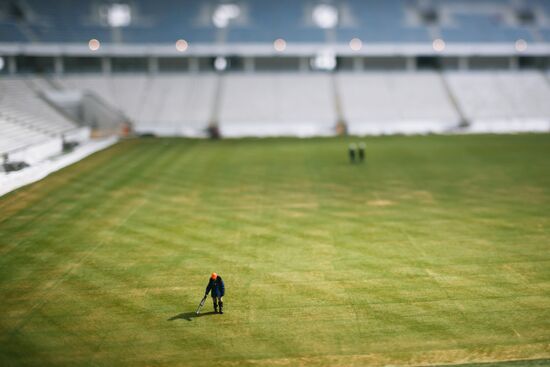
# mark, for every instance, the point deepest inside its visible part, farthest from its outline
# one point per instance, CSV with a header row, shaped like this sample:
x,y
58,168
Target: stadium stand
x,y
503,101
9,32
267,92
16,135
161,104
396,102
264,20
302,104
19,95
483,28
381,21
277,104
269,20
32,129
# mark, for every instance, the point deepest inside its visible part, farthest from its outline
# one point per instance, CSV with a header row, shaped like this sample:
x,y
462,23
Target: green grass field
x,y
437,251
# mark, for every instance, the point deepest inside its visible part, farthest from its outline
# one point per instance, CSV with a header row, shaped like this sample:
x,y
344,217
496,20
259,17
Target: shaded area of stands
x,y
165,21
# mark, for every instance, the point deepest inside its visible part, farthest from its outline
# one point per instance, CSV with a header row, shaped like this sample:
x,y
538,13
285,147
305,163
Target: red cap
x,y
214,276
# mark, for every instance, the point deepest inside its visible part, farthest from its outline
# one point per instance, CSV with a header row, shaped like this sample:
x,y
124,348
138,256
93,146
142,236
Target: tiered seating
x,y
10,33
270,104
177,105
483,28
16,96
17,136
96,83
28,124
381,21
125,92
264,20
64,21
269,20
385,103
503,101
277,104
164,104
173,19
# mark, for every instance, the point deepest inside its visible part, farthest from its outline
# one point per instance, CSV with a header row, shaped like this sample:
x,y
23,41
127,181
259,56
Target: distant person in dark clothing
x,y
215,284
351,152
362,147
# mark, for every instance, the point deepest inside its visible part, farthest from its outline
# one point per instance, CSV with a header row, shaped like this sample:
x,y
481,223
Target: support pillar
x,y
358,64
514,63
153,65
304,64
411,63
249,64
463,63
12,65
106,65
58,65
193,65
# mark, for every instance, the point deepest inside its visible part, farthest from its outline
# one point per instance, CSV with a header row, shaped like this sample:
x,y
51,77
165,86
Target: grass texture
x,y
434,251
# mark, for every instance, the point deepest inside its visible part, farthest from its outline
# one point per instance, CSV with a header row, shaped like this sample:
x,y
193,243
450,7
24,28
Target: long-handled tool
x,y
201,305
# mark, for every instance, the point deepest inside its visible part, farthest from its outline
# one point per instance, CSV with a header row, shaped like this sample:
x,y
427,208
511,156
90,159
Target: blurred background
x,y
74,70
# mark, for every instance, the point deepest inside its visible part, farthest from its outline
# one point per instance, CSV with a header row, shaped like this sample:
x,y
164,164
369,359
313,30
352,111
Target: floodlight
x,y
119,15
220,63
279,44
94,44
181,45
355,44
325,16
324,60
224,13
438,45
521,45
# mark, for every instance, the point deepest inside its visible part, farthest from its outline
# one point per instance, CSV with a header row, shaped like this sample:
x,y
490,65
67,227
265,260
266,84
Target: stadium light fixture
x,y
2,63
220,63
325,16
438,45
224,13
94,44
521,45
355,44
279,45
181,45
324,60
119,15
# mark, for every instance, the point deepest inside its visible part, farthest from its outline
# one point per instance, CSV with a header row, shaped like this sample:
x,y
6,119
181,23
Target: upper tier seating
x,y
374,21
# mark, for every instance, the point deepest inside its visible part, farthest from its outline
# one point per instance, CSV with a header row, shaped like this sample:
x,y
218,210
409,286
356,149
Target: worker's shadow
x,y
189,316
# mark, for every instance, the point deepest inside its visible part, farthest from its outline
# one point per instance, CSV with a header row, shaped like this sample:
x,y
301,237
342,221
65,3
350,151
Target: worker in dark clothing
x,y
362,147
215,284
351,152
